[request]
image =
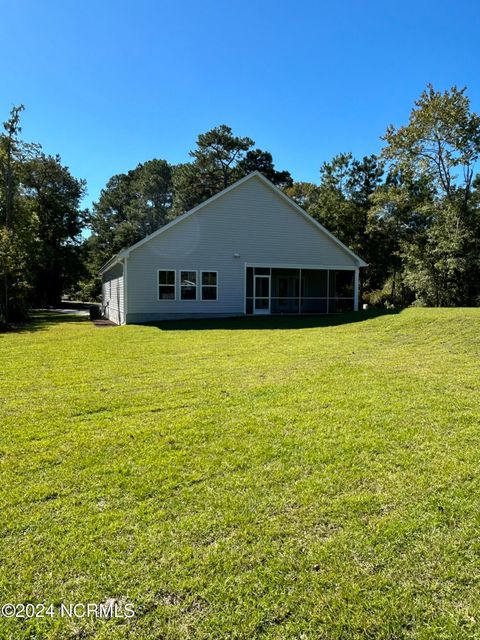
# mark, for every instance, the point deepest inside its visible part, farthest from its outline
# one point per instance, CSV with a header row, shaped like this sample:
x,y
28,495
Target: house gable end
x,y
251,211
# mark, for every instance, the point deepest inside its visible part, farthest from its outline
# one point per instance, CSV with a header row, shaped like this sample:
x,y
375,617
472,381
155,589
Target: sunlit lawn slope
x,y
290,478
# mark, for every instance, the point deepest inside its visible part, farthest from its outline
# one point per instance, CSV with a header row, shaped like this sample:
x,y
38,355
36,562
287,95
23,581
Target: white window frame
x,y
167,285
208,285
180,271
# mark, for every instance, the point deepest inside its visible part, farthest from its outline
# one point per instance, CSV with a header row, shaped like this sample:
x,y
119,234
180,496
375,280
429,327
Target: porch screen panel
x,y
262,292
285,291
341,290
314,291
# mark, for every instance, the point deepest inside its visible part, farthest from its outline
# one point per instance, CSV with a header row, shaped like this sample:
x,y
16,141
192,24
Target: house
x,y
247,250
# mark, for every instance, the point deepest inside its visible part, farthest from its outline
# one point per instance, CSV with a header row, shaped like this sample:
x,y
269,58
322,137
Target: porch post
x,y
355,289
328,290
299,291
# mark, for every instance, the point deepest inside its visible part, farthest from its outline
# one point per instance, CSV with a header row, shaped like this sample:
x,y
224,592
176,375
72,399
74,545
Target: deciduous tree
x,y
441,144
54,196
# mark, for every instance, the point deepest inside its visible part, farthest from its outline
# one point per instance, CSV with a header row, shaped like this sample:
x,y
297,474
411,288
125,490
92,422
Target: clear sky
x,y
109,83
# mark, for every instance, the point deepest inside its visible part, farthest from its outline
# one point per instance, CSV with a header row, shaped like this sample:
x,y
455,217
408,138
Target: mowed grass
x,y
313,478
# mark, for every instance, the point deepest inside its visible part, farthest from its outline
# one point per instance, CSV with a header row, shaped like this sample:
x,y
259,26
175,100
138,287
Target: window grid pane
x,y
209,285
166,292
188,281
209,278
166,284
166,277
209,293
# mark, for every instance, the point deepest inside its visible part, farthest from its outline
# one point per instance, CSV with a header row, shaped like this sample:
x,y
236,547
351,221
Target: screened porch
x,y
272,290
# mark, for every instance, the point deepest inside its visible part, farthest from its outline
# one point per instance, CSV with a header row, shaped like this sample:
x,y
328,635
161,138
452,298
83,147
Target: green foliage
x,y
441,141
40,224
305,194
438,265
16,223
389,296
14,276
440,146
262,161
217,154
192,185
417,225
400,213
131,206
214,167
346,185
54,195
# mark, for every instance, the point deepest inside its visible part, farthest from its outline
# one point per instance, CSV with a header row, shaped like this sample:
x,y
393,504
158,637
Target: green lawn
x,y
255,478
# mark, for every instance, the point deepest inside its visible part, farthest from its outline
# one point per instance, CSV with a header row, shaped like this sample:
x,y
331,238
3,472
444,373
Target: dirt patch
x,y
103,322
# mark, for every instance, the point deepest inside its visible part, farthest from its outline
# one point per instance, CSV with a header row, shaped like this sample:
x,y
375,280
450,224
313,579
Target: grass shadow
x,y
249,323
41,320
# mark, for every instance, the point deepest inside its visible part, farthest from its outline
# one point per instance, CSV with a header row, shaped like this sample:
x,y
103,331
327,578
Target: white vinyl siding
x,y
113,303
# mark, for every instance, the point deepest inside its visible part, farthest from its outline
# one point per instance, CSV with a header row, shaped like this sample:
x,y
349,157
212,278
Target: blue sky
x,y
108,84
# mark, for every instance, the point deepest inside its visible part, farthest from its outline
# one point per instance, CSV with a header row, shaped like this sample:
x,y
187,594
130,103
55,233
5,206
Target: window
x,y
188,285
166,285
209,285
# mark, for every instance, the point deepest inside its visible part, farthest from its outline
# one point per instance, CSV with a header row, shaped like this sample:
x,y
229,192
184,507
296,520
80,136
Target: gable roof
x,y
255,174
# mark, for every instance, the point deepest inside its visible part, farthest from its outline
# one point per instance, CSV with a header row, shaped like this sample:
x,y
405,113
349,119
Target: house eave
x,y
117,259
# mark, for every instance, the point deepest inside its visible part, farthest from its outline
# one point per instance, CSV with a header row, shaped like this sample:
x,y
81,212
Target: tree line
x,y
412,212
41,221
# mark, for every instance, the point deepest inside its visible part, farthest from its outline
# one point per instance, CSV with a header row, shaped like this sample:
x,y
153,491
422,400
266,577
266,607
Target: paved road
x,y
75,311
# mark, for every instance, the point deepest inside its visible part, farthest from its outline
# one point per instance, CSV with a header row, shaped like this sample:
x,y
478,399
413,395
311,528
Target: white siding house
x,y
113,302
247,250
